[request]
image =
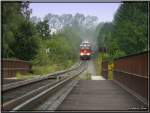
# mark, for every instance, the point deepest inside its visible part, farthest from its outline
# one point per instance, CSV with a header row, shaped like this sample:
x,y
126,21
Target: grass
x,y
46,69
38,70
19,75
25,76
42,70
86,76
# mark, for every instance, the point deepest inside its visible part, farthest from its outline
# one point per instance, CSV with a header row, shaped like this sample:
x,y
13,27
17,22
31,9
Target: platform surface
x,y
100,95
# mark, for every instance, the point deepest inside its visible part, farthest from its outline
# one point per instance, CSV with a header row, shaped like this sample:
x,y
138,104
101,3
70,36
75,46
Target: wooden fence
x,y
10,67
131,71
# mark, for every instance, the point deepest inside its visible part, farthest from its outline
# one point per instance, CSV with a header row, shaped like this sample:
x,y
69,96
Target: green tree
x,y
18,32
11,18
43,29
104,35
131,27
127,34
26,43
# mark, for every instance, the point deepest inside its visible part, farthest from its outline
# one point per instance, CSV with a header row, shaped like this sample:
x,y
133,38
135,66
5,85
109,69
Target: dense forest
x,y
127,33
50,44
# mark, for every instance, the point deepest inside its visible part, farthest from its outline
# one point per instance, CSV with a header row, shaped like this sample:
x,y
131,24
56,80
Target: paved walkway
x,y
100,95
92,71
91,68
97,78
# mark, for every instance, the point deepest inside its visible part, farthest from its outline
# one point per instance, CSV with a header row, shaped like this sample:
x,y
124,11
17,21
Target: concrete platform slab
x,y
100,95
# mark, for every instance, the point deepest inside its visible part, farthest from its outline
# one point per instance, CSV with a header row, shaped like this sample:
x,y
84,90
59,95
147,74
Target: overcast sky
x,y
104,11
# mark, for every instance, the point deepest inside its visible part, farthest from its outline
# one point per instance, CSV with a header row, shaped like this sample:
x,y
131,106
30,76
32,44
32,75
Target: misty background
x,y
82,18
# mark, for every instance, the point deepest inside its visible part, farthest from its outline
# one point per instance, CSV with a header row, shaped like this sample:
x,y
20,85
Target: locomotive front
x,y
85,51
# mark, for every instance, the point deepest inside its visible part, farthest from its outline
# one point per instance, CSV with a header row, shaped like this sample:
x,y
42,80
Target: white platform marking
x,y
93,77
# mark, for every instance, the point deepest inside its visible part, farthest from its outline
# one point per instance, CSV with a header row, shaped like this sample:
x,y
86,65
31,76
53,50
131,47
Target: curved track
x,y
25,95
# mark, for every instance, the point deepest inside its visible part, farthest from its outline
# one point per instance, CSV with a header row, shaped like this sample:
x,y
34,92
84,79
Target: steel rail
x,y
14,102
11,86
40,98
20,100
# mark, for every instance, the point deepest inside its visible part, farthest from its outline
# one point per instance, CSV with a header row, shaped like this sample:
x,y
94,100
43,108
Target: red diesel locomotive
x,y
85,50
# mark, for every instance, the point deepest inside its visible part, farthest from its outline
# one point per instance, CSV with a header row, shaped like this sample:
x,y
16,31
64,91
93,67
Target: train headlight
x,y
81,54
88,53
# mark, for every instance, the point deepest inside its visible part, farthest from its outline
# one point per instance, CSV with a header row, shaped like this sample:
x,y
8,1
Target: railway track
x,y
13,85
29,94
8,81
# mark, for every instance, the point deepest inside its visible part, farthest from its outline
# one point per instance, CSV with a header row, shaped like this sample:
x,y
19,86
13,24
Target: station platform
x,y
100,95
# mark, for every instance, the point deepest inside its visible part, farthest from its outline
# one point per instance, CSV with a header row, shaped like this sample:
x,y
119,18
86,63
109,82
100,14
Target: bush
x,y
19,75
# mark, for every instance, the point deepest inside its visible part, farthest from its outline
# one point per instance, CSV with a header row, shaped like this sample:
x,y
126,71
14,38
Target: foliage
x,y
43,29
42,70
131,27
82,25
60,52
60,21
26,42
57,53
18,33
31,39
127,34
19,75
104,34
98,64
11,18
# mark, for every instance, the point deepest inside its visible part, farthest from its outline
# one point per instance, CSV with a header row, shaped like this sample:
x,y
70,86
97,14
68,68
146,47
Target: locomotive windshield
x,y
85,47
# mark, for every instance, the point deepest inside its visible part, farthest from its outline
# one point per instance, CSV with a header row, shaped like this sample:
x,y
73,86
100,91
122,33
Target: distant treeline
x,y
127,33
26,38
